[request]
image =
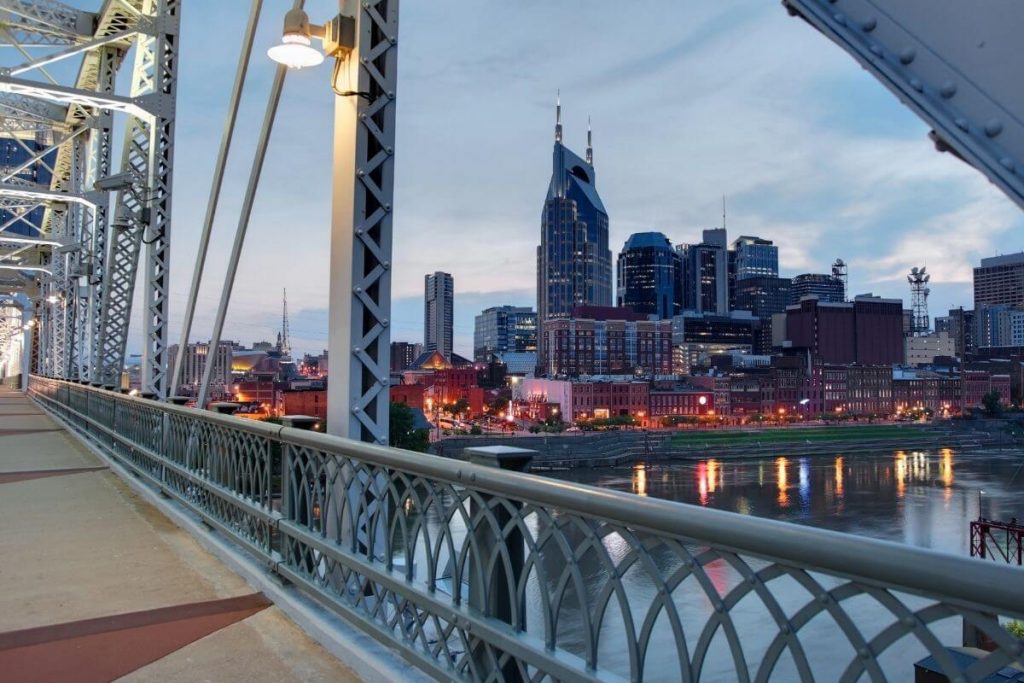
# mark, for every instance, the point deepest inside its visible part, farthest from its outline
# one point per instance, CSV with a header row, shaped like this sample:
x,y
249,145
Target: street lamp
x,y
296,50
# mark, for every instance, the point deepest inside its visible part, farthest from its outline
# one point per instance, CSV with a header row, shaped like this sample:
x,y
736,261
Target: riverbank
x,y
612,449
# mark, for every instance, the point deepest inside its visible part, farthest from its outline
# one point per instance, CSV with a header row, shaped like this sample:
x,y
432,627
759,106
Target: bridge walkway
x,y
98,585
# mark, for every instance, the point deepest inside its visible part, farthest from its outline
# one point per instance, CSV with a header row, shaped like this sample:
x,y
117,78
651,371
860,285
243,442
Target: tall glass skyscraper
x,y
574,264
438,313
504,328
650,275
755,257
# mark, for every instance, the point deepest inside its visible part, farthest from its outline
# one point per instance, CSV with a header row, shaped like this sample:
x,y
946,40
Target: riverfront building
x,y
502,329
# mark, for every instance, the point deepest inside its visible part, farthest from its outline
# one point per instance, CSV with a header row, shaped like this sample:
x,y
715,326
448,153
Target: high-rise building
x,y
650,275
574,264
620,344
501,329
706,274
998,325
755,257
438,313
828,288
1000,280
960,325
403,354
16,154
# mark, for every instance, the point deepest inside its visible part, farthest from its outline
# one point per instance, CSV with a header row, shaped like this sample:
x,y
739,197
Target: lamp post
x,y
363,41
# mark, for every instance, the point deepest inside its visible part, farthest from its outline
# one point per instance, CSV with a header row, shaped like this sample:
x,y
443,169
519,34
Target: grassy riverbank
x,y
749,437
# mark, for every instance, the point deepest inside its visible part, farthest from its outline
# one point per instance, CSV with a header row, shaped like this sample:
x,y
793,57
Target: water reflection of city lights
x,y
640,479
702,482
839,476
946,469
901,473
805,483
713,474
780,478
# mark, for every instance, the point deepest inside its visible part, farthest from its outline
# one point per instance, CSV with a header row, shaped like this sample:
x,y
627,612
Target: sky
x,y
689,102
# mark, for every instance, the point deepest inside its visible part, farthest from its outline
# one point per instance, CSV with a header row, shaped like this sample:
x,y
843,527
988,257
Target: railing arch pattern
x,y
476,573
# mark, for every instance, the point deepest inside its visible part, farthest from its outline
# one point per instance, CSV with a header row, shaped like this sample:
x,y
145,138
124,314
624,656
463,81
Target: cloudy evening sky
x,y
689,101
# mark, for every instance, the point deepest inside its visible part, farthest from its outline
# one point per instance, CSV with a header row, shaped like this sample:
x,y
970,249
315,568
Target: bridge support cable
x,y
211,205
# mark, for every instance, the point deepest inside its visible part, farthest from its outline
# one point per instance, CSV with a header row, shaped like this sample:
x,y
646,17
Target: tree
x,y
402,432
992,403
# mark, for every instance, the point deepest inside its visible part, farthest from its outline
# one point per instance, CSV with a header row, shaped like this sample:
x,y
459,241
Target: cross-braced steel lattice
x,y
85,263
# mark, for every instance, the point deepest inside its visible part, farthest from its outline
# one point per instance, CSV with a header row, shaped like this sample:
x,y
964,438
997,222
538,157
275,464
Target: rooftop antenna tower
x,y
919,291
286,342
841,272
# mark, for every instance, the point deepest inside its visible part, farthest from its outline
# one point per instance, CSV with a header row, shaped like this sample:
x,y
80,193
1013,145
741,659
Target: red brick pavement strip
x,y
26,475
106,648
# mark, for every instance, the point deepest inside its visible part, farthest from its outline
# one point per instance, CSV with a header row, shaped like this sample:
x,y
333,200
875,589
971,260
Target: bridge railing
x,y
478,573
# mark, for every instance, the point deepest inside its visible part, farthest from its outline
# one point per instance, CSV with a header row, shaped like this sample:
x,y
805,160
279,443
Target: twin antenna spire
x,y
558,128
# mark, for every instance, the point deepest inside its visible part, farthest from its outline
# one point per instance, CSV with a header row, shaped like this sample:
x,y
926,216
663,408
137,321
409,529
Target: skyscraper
x,y
574,264
650,275
438,313
504,328
706,274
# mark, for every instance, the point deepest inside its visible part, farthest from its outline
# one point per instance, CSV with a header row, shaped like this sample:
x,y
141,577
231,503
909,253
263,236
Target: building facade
x,y
754,257
194,365
706,274
438,312
650,275
574,263
586,346
1000,280
16,154
404,354
924,349
868,330
502,329
828,288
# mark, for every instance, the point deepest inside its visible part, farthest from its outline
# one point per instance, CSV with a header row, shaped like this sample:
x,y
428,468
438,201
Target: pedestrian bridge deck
x,y
99,585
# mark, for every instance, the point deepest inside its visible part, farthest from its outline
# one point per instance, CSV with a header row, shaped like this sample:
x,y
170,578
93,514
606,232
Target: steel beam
x,y
358,402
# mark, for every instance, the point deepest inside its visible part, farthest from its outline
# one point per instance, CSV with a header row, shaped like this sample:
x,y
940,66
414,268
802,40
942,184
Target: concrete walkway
x,y
97,585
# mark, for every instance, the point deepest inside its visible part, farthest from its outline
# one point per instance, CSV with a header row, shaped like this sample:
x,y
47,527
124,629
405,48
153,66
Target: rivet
x,y
823,598
784,629
357,349
864,653
392,40
948,89
356,409
752,580
909,621
357,289
869,24
993,128
839,18
386,265
961,123
360,173
908,55
390,150
387,207
719,606
1007,163
876,50
384,322
916,84
384,378
391,94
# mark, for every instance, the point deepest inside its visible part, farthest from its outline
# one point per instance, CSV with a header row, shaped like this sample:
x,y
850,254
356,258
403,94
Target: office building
x,y
998,325
502,329
763,296
1000,280
574,263
650,275
827,288
438,313
706,274
754,257
868,330
611,341
698,338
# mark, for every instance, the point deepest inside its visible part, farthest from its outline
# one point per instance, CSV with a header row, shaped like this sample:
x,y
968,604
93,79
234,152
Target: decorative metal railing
x,y
478,573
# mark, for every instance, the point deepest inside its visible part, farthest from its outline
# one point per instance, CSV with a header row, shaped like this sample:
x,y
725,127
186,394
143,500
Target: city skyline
x,y
681,121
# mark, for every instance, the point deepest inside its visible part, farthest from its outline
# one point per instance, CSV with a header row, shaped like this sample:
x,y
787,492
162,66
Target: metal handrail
x,y
472,570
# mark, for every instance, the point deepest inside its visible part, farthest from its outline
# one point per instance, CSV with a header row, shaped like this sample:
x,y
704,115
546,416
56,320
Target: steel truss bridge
x,y
81,227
